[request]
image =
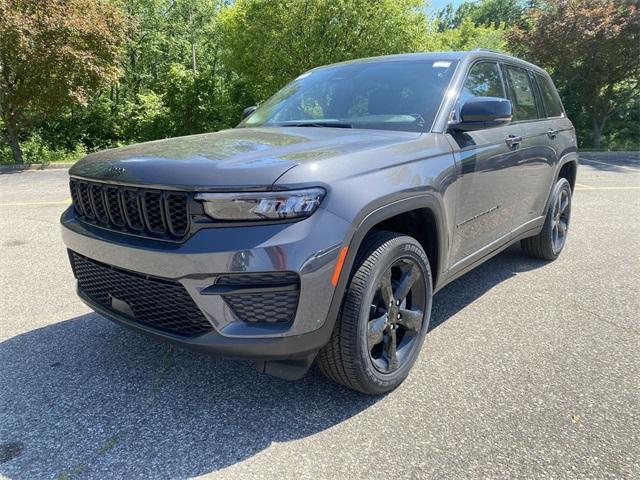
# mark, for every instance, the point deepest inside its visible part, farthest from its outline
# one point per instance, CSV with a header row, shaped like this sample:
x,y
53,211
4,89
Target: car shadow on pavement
x,y
86,398
471,286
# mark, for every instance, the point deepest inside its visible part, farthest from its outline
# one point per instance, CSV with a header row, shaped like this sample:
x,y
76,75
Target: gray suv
x,y
321,226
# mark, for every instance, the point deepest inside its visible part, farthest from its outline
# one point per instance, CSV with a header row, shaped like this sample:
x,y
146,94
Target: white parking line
x,y
19,204
633,169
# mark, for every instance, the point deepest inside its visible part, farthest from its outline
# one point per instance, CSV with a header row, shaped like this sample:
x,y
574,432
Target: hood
x,y
241,157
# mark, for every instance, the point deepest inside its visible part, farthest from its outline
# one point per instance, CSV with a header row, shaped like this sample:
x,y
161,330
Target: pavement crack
x,y
602,319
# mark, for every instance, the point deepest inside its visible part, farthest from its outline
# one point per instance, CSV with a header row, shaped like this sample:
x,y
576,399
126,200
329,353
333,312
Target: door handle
x,y
513,141
551,133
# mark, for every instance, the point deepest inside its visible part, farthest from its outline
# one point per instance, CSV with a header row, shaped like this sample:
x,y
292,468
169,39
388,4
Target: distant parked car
x,y
321,226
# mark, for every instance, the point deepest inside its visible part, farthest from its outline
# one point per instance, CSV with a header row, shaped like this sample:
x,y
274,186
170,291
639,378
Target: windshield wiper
x,y
316,123
419,120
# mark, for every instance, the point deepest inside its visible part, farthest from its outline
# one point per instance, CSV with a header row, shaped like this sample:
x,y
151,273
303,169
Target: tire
x,y
352,357
548,244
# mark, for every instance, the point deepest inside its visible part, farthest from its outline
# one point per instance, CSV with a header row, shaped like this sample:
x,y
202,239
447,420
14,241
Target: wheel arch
x,y
399,216
567,167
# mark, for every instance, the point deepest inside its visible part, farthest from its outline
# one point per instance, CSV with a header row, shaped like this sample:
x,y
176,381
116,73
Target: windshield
x,y
388,95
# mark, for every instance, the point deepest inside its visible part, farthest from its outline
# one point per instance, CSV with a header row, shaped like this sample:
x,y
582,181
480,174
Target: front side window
x,y
550,98
387,95
483,81
521,94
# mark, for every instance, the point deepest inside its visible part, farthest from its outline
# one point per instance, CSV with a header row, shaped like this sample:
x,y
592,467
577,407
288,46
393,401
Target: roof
x,y
460,55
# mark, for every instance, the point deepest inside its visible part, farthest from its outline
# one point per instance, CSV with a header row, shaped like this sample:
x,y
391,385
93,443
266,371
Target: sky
x,y
435,5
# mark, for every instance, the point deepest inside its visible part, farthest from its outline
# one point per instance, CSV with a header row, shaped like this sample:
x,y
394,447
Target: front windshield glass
x,y
388,95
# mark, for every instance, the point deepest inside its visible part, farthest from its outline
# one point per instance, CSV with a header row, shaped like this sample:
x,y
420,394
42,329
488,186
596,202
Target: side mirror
x,y
247,111
484,112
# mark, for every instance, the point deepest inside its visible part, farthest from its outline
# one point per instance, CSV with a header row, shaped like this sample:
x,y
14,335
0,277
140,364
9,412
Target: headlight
x,y
261,205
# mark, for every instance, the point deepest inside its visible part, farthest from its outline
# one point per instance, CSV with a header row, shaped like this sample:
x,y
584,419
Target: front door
x,y
488,165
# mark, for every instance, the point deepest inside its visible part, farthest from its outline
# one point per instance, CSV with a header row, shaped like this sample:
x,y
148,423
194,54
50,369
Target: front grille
x,y
140,211
159,303
276,303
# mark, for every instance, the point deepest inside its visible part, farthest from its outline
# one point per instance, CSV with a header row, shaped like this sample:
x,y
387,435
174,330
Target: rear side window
x,y
550,98
521,94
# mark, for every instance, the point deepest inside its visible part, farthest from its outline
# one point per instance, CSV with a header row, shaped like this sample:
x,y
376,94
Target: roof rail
x,y
486,50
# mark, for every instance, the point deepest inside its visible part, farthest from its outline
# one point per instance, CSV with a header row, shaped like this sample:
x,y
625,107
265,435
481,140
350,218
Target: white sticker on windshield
x,y
441,64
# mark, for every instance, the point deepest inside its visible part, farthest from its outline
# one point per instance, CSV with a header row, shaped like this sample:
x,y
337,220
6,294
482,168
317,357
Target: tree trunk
x,y
598,127
193,57
193,41
12,139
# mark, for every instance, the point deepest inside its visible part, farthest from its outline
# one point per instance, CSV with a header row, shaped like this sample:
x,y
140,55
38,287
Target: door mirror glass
x,y
479,113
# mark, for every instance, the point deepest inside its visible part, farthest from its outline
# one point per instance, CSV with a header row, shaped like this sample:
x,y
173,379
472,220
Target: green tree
x,y
496,13
592,48
53,53
268,43
466,36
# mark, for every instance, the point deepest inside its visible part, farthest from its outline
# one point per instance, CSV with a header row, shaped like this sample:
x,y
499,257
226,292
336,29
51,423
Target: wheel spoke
x,y
385,287
390,350
562,227
555,235
411,320
564,202
409,276
376,331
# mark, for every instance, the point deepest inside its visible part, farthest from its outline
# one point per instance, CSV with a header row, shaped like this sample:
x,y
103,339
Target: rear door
x,y
557,131
537,152
488,171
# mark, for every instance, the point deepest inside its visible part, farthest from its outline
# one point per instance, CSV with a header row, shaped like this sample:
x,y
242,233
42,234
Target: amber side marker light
x,y
338,269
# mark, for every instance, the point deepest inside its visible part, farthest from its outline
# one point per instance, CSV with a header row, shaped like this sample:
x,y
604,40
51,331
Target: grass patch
x,y
36,151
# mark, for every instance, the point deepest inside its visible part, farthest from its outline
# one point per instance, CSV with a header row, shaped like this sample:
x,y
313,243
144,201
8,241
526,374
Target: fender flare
x,y
371,216
569,155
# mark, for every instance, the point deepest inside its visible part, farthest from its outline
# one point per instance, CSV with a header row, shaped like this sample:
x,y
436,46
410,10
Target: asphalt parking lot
x,y
531,369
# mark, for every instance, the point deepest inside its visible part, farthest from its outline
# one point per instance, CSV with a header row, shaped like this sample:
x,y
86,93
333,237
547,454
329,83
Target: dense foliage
x,y
81,75
52,54
592,47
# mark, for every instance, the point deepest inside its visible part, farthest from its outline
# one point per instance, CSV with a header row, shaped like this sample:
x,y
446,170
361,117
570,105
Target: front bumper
x,y
309,247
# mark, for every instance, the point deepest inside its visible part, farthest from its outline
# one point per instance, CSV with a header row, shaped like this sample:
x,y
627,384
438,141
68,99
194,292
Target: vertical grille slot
x,y
97,200
140,211
178,213
154,211
85,200
75,196
131,202
114,206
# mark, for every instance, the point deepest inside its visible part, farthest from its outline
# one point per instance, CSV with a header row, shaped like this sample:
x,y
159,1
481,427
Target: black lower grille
x,y
159,303
264,307
270,297
151,213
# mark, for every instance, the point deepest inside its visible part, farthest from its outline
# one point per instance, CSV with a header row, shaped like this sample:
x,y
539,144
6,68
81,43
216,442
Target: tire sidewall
x,y
401,247
561,184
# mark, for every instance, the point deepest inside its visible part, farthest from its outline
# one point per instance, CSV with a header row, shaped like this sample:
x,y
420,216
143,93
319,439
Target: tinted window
x,y
521,94
483,81
550,98
391,95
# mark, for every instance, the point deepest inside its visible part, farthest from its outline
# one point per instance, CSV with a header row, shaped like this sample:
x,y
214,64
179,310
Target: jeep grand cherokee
x,y
321,226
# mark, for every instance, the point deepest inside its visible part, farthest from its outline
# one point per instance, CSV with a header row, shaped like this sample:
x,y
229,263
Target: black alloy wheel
x,y
384,317
396,315
548,244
